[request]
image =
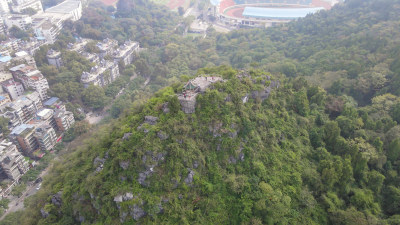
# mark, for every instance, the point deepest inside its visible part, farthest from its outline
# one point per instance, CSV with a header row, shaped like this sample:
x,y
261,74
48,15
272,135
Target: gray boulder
x,y
44,213
124,164
152,120
56,199
137,212
165,108
162,135
189,178
126,136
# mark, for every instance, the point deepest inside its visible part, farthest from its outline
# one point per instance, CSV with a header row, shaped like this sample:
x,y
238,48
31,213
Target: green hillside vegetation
x,y
278,160
323,148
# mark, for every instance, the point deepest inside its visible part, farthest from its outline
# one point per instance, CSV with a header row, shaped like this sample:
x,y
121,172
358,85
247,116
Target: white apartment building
x,y
101,75
64,119
46,137
126,52
23,22
31,78
13,88
20,5
12,163
73,8
4,7
54,58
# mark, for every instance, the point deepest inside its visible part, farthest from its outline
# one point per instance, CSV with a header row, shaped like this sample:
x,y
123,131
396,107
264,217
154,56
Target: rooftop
x,y
21,128
65,7
51,101
279,13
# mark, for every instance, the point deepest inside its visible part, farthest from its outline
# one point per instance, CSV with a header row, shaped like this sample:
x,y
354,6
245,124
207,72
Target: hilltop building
x,y
192,88
54,58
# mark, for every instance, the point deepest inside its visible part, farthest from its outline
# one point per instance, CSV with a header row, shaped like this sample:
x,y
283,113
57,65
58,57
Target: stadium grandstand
x,y
264,13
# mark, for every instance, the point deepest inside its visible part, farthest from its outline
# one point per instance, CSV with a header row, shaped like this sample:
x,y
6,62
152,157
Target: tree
x,y
110,9
94,97
29,11
4,126
331,133
18,33
301,104
181,11
393,152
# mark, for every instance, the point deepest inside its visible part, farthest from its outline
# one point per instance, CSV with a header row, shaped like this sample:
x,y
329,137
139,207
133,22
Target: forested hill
x,y
243,157
322,147
352,49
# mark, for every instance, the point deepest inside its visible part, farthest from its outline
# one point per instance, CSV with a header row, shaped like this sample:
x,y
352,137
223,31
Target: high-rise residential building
x,y
64,119
54,58
23,22
31,78
4,8
126,52
101,75
46,137
73,8
19,6
13,88
24,137
12,163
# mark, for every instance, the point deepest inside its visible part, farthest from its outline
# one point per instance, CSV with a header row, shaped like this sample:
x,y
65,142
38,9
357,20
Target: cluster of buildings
x,y
107,59
45,25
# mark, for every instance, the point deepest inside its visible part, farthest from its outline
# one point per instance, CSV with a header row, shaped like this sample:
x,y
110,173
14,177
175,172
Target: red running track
x,y
173,4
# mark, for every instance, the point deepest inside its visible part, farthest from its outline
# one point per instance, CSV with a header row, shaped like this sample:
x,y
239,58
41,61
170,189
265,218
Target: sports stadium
x,y
260,13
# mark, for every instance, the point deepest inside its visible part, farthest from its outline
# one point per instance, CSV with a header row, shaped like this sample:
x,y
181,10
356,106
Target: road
x,y
16,203
96,117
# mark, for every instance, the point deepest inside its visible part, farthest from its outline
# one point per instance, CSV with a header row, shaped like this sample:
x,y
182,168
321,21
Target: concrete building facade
x,y
12,163
13,88
64,119
46,137
54,58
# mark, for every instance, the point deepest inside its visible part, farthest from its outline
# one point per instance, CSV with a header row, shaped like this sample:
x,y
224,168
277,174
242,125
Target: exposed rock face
x,y
152,120
81,219
99,162
189,178
124,164
126,136
195,164
232,160
143,129
241,156
56,199
188,104
137,212
165,108
44,213
162,135
215,129
150,161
